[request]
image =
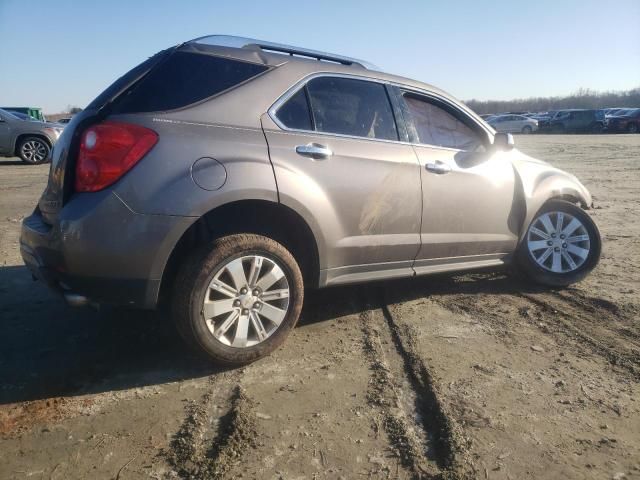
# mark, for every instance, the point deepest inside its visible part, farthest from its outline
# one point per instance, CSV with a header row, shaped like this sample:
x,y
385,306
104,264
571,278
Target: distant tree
x,y
73,110
583,98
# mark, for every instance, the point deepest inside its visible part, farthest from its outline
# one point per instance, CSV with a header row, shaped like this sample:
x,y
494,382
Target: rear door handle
x,y
438,167
314,150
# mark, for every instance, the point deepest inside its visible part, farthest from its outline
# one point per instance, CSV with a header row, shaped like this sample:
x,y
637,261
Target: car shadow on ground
x,y
49,350
7,163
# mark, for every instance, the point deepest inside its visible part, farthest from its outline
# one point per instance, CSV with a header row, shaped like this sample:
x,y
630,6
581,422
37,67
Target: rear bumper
x,y
102,250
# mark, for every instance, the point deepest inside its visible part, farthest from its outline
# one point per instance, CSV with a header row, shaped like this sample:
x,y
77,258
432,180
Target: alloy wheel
x,y
246,301
558,242
34,151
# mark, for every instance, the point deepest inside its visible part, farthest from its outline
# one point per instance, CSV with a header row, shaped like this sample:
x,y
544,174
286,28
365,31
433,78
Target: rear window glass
x,y
185,78
295,112
128,78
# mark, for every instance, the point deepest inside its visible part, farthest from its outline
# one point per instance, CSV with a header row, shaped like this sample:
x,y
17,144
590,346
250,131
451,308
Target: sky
x,y
54,54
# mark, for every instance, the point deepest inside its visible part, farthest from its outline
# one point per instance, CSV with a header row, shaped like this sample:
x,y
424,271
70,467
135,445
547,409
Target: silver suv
x,y
225,175
30,140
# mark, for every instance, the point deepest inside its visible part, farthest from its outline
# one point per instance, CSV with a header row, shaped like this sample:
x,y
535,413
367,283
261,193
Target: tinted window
x,y
127,79
185,78
295,112
436,126
352,107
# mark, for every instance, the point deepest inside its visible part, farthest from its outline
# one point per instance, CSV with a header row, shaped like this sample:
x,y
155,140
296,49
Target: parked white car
x,y
513,124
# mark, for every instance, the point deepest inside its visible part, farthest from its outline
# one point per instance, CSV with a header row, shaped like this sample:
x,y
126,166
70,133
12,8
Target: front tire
x,y
561,245
237,299
527,129
34,150
632,128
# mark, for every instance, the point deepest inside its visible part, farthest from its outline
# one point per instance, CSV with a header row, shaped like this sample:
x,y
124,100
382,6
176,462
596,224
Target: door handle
x,y
314,150
438,167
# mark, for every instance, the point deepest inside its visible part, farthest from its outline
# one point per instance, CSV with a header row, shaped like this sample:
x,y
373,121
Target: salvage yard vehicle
x,y
575,121
30,140
513,124
33,112
627,121
226,175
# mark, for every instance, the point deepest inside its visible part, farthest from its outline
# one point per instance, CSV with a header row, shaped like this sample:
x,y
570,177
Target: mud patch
x,y
21,417
196,455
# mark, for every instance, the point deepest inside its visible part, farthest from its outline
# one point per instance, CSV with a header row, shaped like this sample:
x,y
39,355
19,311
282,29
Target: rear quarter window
x,y
185,78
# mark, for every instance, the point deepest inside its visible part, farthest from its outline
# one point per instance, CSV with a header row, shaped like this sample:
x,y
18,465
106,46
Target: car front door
x,y
500,124
518,123
334,144
469,201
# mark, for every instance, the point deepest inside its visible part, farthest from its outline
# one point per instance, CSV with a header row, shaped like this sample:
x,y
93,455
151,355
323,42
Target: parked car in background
x,y
610,112
64,121
29,140
513,124
576,121
33,112
544,118
628,120
226,174
23,116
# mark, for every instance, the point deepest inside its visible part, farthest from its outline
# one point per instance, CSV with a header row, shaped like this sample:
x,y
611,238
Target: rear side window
x,y
185,78
351,107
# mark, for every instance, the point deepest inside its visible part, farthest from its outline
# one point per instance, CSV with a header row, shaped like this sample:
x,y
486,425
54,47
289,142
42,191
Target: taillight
x,y
109,150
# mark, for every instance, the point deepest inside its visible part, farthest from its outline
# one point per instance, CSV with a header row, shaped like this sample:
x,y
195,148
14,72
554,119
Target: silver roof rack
x,y
241,42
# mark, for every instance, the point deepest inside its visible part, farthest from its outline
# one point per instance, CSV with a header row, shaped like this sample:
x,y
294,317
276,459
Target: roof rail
x,y
241,42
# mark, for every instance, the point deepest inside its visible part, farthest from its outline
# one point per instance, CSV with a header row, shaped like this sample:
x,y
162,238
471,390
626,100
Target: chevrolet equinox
x,y
225,175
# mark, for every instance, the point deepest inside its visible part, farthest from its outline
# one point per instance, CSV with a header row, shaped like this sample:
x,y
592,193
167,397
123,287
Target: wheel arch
x,y
22,136
262,217
555,187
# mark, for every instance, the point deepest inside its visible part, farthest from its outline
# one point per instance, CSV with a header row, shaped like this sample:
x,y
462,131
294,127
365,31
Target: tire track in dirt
x,y
382,395
599,325
429,443
573,321
200,450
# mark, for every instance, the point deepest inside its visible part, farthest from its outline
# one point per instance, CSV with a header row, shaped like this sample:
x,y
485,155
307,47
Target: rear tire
x,y
579,248
632,128
239,329
34,150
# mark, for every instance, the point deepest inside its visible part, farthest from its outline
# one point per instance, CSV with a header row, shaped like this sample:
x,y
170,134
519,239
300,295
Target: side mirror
x,y
503,141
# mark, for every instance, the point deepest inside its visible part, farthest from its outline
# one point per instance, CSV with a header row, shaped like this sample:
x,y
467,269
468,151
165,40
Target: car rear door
x,y
334,144
468,188
5,135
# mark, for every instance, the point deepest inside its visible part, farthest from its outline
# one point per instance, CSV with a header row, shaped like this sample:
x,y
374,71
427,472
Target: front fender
x,y
541,182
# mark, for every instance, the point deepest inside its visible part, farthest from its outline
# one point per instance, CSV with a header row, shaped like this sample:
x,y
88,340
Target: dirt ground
x,y
468,376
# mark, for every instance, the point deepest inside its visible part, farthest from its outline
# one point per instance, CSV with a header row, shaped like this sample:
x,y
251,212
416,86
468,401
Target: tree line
x,y
583,98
